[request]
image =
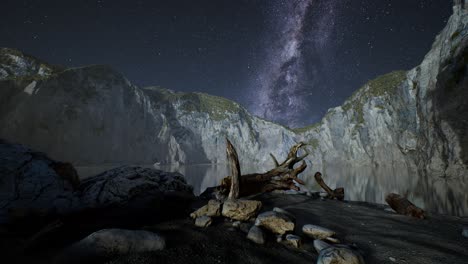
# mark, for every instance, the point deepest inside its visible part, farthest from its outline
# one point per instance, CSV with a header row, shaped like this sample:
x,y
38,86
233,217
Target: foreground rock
x,y
134,188
339,255
110,242
212,209
293,240
320,244
203,221
278,223
33,184
256,235
317,232
241,210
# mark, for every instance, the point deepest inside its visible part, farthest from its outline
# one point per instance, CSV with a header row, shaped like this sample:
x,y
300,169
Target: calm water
x,y
369,184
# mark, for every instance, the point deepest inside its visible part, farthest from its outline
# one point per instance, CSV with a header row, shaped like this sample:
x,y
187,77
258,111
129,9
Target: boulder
x,y
277,223
256,235
320,244
282,211
339,255
33,184
293,240
133,191
212,209
203,221
317,232
110,242
241,210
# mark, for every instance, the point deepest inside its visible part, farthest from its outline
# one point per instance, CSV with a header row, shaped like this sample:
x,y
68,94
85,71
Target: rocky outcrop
x,y
31,183
412,119
34,185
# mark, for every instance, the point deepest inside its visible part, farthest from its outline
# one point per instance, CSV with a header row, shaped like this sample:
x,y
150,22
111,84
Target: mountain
x,y
415,119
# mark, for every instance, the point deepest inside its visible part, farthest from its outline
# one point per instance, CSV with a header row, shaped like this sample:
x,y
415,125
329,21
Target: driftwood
x,y
338,193
281,177
403,206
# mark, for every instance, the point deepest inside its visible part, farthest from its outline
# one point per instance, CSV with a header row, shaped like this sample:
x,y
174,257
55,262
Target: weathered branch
x,y
281,177
338,193
234,166
403,206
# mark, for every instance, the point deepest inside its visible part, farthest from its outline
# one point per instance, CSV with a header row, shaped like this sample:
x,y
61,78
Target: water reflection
x,y
363,183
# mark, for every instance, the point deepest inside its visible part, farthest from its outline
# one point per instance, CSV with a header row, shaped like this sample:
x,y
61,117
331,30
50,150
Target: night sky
x,y
287,61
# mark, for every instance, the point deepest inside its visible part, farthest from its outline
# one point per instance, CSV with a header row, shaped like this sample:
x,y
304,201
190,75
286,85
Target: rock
x,y
279,238
241,210
333,240
465,232
339,255
317,232
213,209
256,235
236,224
32,184
111,242
133,187
203,221
277,223
392,259
293,240
282,211
320,244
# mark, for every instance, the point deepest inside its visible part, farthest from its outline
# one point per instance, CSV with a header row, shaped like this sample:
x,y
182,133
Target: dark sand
x,y
380,235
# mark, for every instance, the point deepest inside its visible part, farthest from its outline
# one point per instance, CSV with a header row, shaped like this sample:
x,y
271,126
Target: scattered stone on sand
x,y
279,238
465,231
236,223
317,232
333,240
282,211
241,210
212,209
339,255
256,235
277,223
323,194
390,210
110,242
293,240
203,221
392,259
320,244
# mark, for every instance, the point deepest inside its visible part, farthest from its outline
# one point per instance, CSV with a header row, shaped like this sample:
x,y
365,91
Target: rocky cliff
x,y
94,115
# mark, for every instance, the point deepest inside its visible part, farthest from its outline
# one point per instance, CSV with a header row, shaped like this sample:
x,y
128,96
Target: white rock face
x,y
93,115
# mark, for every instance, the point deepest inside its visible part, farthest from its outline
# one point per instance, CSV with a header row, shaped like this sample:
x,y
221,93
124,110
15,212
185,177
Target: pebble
x,y
293,240
317,232
320,244
465,231
256,235
203,221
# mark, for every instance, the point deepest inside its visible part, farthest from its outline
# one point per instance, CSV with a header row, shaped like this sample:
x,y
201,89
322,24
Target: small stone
x,y
320,244
277,223
282,211
293,240
256,235
241,210
317,232
279,238
339,255
322,199
333,240
389,210
213,208
465,231
392,259
323,194
203,221
236,223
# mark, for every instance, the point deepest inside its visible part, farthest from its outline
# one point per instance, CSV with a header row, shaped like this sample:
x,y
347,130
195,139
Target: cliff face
x,y
93,115
416,120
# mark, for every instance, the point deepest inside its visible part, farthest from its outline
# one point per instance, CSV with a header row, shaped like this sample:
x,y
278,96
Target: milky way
x,y
300,31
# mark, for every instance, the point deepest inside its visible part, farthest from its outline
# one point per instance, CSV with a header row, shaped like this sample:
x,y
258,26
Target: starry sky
x,y
285,60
